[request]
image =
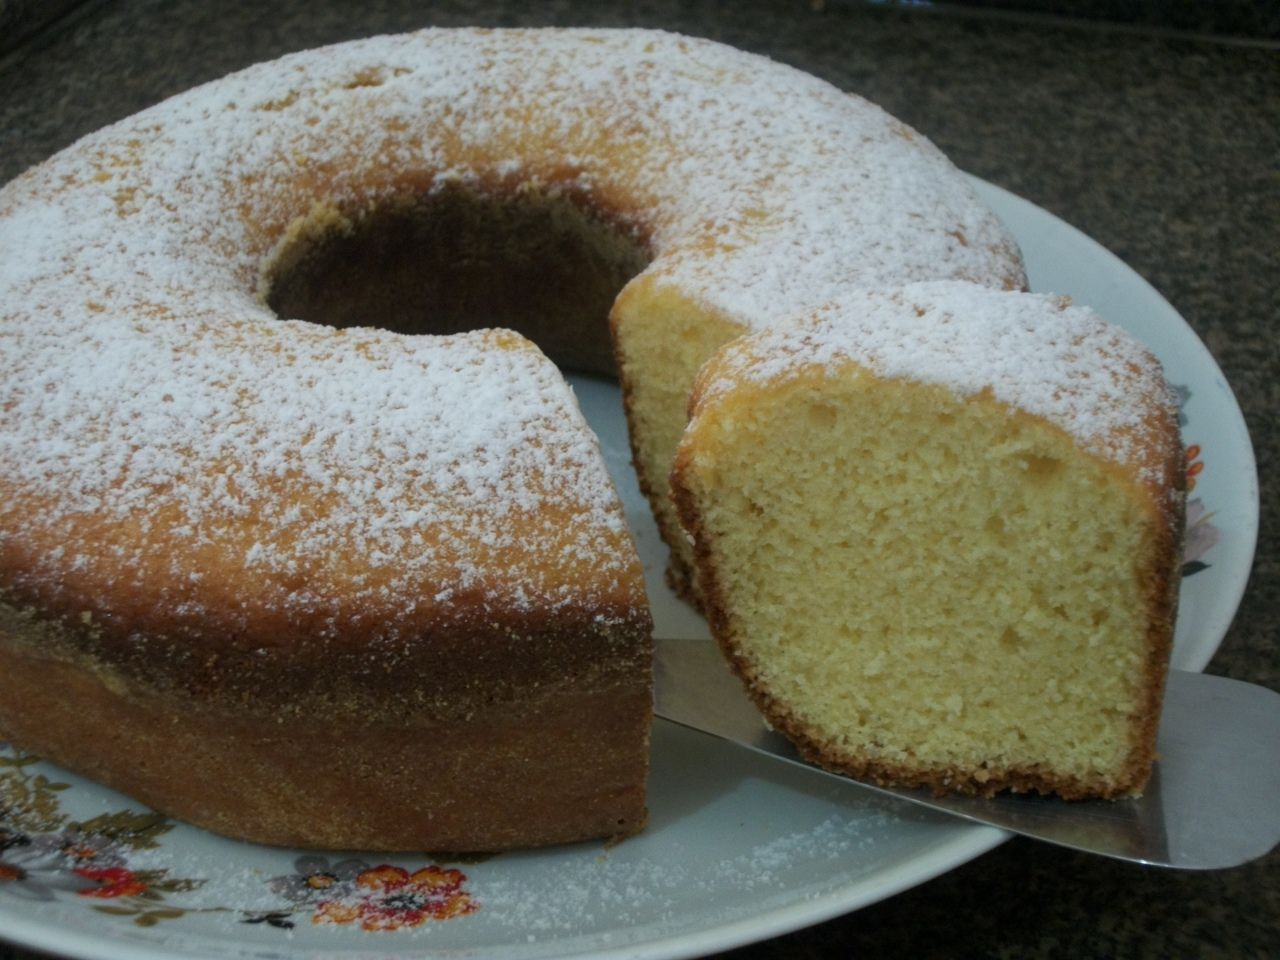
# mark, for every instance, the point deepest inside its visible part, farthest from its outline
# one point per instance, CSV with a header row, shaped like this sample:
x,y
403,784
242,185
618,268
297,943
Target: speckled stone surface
x,y
1163,148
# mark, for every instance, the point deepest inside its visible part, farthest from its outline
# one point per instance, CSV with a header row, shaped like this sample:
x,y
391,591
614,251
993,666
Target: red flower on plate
x,y
112,882
389,898
1195,466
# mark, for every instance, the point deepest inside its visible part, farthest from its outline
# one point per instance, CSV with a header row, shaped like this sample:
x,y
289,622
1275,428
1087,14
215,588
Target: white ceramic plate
x,y
738,848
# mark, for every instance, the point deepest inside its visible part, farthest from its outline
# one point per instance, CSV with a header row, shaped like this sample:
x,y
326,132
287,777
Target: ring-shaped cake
x,y
277,558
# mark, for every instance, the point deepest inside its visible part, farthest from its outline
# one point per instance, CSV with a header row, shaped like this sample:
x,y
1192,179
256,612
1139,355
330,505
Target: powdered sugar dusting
x,y
1034,352
763,187
142,375
411,453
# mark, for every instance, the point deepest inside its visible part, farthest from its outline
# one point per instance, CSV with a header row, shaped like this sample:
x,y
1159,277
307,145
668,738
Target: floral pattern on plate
x,y
376,898
47,855
1201,534
44,854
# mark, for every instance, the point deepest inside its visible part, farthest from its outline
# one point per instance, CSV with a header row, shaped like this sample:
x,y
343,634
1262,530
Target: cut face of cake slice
x,y
936,530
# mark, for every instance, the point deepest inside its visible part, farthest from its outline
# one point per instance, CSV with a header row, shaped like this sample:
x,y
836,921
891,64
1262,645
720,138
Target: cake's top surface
x,y
1033,352
149,399
758,185
322,464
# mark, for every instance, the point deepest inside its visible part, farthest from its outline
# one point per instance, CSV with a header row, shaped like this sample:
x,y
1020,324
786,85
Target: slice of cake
x,y
937,530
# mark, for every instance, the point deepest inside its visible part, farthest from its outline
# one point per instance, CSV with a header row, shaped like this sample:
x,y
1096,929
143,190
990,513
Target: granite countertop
x,y
1162,146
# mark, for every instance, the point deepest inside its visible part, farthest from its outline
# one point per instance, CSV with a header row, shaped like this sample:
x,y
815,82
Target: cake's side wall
x,y
569,764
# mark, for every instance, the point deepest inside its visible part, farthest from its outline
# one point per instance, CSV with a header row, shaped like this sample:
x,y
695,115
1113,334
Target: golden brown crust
x,y
273,669
1164,492
556,763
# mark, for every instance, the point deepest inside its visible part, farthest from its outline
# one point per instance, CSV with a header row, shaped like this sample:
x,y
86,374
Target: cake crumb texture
x,y
937,531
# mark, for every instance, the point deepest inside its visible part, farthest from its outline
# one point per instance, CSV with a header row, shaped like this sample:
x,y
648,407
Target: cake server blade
x,y
1213,800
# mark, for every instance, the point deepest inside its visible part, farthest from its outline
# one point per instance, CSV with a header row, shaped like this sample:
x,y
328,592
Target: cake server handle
x,y
1213,800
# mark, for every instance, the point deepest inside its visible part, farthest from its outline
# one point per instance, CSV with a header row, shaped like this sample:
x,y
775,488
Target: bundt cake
x,y
937,534
276,559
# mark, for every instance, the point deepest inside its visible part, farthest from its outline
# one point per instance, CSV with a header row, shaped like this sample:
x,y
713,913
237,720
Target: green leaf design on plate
x,y
29,803
137,831
147,916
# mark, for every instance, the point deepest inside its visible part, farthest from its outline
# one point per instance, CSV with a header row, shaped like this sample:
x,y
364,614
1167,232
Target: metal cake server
x,y
1213,800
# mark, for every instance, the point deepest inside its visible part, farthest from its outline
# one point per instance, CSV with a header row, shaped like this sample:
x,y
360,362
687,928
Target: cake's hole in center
x,y
547,266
